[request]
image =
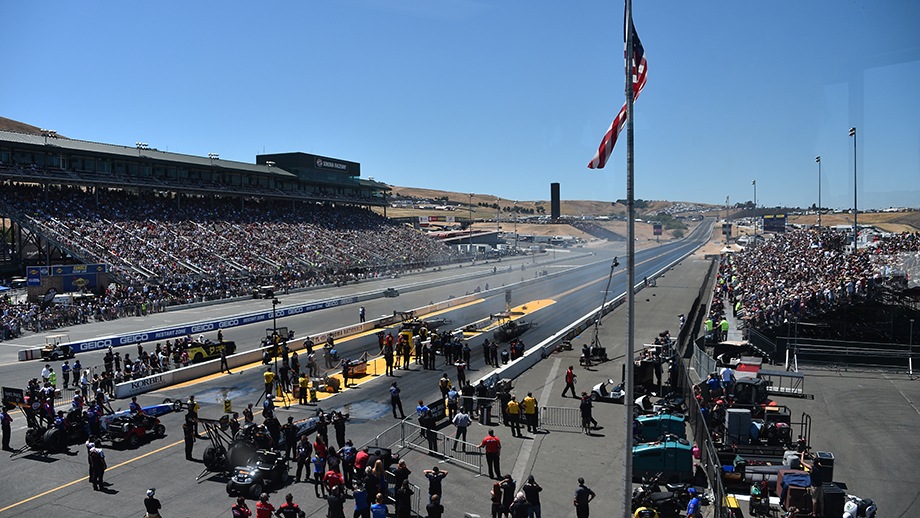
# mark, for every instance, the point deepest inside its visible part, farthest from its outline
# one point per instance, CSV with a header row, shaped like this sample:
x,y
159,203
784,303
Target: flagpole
x,y
630,267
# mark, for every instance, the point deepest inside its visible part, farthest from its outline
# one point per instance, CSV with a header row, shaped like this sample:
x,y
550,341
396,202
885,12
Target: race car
x,y
199,352
130,429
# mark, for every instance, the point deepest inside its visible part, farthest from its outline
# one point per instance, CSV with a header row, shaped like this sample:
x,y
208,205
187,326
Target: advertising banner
x,y
202,327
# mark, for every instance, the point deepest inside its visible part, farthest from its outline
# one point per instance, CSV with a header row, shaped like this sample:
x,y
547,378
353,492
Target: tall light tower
x,y
754,183
471,223
818,160
855,211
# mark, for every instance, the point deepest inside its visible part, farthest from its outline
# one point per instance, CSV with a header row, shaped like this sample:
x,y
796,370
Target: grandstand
x,y
174,229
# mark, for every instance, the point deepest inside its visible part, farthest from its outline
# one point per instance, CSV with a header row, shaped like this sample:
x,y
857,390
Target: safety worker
x,y
530,412
269,378
304,384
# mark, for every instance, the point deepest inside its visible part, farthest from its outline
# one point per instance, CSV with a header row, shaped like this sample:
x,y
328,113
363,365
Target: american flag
x,y
639,77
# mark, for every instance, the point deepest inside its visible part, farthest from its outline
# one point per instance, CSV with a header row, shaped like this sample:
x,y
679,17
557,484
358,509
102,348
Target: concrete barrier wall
x,y
198,370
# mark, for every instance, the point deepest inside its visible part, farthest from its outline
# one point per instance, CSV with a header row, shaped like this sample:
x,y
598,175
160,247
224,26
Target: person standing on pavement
x,y
587,407
97,467
388,358
453,401
151,504
462,421
362,504
530,412
361,314
304,384
336,502
496,498
289,431
520,507
289,509
532,492
396,402
493,448
344,374
5,421
583,497
263,508
434,508
570,382
514,417
508,488
379,509
304,451
223,361
189,434
434,476
403,500
65,373
269,378
240,510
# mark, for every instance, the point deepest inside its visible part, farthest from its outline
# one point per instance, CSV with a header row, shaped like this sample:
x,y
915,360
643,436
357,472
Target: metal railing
x,y
407,435
702,363
709,459
416,500
564,417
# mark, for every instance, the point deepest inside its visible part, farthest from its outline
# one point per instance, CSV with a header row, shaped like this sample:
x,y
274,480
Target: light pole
x,y
855,231
818,160
754,183
275,338
910,349
515,228
141,146
498,214
471,223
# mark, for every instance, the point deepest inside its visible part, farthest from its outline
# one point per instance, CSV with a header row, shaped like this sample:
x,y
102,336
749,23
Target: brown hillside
x,y
19,127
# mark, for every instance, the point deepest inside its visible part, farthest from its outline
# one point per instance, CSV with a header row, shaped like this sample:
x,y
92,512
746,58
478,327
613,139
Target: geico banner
x,y
203,327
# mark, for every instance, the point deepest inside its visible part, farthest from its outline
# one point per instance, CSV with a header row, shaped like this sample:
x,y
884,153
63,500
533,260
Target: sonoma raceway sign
x,y
201,327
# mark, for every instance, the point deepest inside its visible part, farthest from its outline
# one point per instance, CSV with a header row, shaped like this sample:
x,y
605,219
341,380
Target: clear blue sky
x,y
499,97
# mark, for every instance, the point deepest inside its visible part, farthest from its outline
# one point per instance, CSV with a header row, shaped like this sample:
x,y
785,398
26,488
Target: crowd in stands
x,y
806,272
163,251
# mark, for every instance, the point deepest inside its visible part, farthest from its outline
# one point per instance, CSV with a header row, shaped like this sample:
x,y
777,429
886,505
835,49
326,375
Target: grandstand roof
x,y
135,152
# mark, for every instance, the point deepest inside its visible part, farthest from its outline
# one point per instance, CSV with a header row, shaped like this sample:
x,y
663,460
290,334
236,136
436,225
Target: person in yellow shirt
x,y
514,417
269,377
304,384
530,412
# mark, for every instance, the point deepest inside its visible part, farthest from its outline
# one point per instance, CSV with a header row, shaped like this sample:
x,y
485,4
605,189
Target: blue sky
x,y
500,96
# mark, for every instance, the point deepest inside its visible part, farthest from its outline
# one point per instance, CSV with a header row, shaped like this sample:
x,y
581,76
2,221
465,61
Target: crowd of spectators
x,y
806,272
163,251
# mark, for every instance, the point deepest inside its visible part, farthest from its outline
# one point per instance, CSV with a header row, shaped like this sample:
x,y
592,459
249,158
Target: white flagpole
x,y
630,267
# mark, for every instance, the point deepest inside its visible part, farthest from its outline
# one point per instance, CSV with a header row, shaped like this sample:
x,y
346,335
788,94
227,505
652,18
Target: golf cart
x,y
56,349
266,469
605,391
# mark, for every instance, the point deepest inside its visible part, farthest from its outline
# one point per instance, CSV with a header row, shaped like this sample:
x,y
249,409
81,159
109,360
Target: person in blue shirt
x,y
693,507
134,406
379,509
319,469
362,505
421,408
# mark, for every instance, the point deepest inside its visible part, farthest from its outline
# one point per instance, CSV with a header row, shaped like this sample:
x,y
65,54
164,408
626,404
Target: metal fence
x,y
406,435
709,459
564,417
415,501
702,364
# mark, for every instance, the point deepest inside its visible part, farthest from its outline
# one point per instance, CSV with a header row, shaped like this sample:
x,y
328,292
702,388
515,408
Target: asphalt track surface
x,y
55,485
